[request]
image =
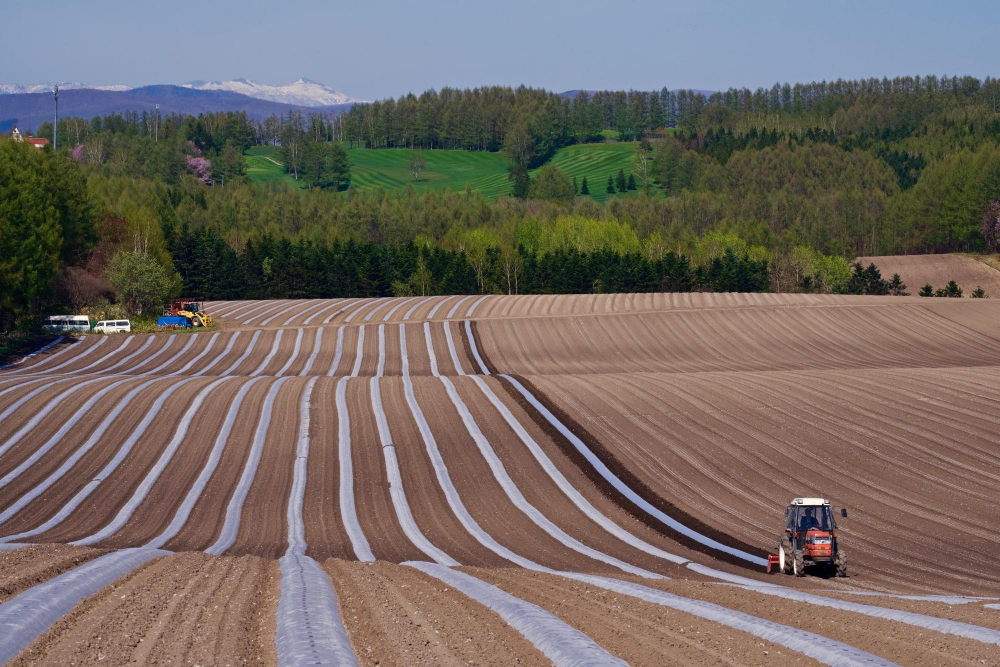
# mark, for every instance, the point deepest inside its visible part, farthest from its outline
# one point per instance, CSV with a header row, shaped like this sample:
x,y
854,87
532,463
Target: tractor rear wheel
x,y
841,563
785,555
799,564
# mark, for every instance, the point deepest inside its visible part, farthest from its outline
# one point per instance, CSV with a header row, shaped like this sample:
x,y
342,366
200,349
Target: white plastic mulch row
x,y
41,350
956,628
396,491
234,511
310,630
194,493
451,313
825,650
140,493
929,622
111,466
557,641
835,653
25,617
437,306
626,490
348,511
65,428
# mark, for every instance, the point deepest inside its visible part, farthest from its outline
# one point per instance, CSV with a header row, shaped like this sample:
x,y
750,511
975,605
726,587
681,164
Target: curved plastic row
x,y
396,491
956,628
234,511
27,616
67,509
563,644
126,511
310,630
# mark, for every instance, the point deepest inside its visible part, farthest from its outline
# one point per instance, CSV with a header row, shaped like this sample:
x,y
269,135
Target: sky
x,y
373,49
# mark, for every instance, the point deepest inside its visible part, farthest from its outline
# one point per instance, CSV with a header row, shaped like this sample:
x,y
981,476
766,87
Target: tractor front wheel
x,y
799,564
785,555
841,563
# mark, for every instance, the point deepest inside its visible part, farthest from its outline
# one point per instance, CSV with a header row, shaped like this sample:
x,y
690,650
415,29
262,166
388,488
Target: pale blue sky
x,y
372,49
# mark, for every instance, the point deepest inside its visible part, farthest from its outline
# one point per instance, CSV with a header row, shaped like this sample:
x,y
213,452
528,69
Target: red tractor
x,y
810,538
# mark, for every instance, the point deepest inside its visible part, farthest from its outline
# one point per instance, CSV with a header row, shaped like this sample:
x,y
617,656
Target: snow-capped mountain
x,y
16,88
303,92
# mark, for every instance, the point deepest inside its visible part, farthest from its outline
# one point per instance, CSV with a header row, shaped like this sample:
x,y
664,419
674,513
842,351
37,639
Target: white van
x,y
113,326
67,323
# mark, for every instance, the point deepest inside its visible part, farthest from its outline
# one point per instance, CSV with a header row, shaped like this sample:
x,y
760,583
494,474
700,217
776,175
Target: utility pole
x,y
55,127
156,124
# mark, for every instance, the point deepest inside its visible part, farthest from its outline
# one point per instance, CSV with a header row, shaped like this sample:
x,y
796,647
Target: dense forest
x,y
775,188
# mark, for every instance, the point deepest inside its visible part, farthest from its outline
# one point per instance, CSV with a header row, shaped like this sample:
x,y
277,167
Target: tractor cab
x,y
810,538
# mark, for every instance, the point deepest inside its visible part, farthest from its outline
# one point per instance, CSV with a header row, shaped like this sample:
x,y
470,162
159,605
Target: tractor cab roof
x,y
810,502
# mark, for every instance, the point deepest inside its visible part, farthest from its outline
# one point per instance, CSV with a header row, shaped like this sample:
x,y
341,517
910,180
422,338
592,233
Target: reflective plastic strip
x,y
396,491
475,348
125,513
29,615
561,643
823,649
451,313
295,354
41,350
194,493
234,512
623,488
112,465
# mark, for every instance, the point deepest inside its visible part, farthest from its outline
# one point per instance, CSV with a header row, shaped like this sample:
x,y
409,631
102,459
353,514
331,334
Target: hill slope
x,y
483,172
936,270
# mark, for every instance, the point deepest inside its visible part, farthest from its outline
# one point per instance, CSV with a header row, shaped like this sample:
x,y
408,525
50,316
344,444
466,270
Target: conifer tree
x,y
631,182
584,188
611,185
620,181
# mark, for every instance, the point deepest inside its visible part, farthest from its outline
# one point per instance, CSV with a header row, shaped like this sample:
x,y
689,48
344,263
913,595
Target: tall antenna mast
x,y
55,127
156,124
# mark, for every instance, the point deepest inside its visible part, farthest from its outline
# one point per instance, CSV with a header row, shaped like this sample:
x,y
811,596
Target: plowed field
x,y
546,480
937,270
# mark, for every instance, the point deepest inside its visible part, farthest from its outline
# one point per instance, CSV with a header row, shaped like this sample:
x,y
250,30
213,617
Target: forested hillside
x,y
770,189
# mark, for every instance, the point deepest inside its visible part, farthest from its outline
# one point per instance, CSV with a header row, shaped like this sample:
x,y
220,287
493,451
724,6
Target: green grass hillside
x,y
263,166
388,168
596,162
484,172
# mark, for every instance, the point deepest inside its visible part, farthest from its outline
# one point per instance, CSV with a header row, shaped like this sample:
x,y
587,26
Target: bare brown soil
x,y
936,270
717,408
183,609
643,633
897,642
396,615
20,569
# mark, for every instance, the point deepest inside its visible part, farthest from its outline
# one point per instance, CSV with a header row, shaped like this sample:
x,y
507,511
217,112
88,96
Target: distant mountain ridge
x,y
29,110
21,88
302,92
